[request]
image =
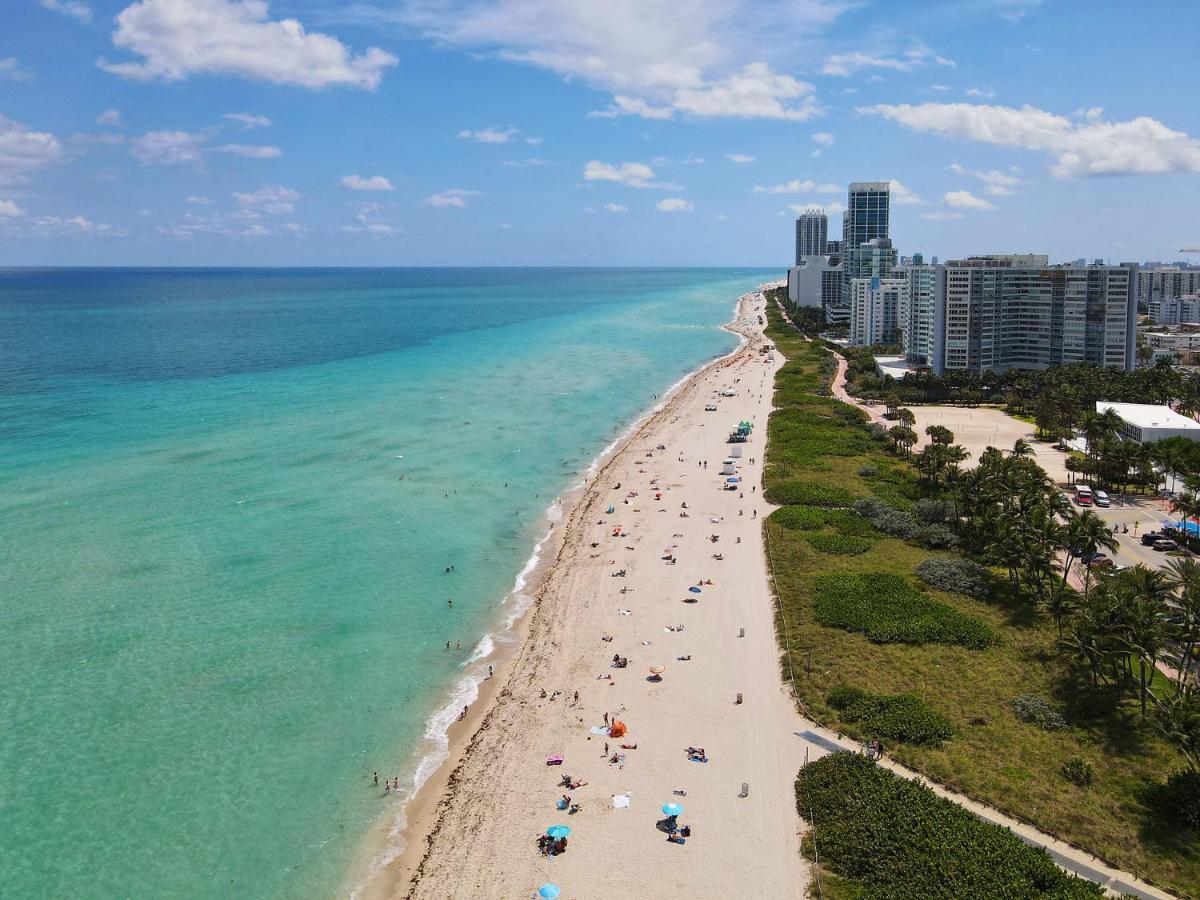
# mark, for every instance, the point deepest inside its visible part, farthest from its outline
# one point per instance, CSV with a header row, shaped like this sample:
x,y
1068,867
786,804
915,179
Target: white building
x,y
879,310
1165,282
1175,310
1146,422
817,281
925,329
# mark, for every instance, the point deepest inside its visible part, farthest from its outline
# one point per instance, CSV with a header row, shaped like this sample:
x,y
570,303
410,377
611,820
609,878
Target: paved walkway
x,y
1072,859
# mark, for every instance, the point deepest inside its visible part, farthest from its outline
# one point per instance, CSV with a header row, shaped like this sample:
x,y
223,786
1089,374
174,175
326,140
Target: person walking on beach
x,y
489,671
606,718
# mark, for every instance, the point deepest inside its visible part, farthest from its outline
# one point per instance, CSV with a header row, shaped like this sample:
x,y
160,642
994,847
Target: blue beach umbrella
x,y
549,891
672,809
558,831
694,589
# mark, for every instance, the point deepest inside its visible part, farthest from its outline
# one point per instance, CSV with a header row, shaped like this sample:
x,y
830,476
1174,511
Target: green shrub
x,y
1078,771
800,518
868,472
1037,711
899,717
839,544
889,610
810,493
901,840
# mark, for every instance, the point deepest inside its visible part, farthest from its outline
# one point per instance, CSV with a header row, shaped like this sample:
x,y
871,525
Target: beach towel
x,y
554,761
620,801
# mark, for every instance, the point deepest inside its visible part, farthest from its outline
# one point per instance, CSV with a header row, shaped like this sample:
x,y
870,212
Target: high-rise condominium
x,y
812,233
866,216
1018,312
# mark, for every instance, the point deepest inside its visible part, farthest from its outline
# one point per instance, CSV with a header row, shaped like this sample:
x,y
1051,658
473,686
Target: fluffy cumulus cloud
x,y
77,10
370,183
247,120
902,194
455,198
796,186
845,64
629,174
168,148
656,58
615,208
24,151
251,151
1080,147
965,200
674,204
10,210
739,158
178,38
823,138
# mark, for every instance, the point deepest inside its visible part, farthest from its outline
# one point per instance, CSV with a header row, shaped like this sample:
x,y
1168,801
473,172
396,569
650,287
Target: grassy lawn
x,y
993,756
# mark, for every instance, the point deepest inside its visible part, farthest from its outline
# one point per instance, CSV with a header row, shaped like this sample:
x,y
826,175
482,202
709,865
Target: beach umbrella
x,y
694,589
549,891
672,809
558,831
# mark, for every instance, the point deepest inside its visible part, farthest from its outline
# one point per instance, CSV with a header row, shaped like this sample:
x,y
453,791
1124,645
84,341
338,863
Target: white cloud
x,y
248,120
796,186
201,201
739,158
615,208
674,204
630,174
178,38
110,117
368,223
998,184
965,200
73,226
939,88
10,70
824,138
251,151
845,64
78,11
525,163
632,106
657,58
23,151
10,210
981,93
753,93
270,200
941,216
455,197
370,183
168,148
902,195
496,135
1140,146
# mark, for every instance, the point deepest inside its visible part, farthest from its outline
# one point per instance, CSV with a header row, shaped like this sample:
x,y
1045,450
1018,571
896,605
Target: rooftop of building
x,y
1149,415
895,366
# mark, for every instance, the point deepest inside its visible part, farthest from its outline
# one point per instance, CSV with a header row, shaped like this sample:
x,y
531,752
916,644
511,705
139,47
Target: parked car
x,y
1099,562
1150,537
1101,499
710,407
1164,544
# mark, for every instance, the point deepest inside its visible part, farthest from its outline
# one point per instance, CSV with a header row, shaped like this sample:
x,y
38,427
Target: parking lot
x,y
1141,515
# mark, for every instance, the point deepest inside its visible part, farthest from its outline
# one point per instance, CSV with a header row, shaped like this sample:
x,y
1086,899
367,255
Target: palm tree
x,y
1085,533
940,434
1184,577
1021,449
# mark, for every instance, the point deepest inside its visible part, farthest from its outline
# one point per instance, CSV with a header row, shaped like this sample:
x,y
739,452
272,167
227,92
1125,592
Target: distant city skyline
x,y
573,132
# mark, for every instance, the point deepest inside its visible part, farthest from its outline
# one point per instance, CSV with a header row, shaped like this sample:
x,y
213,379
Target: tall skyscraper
x,y
812,233
867,211
879,309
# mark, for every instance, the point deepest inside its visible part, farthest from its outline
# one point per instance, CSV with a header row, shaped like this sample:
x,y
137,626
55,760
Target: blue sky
x,y
580,132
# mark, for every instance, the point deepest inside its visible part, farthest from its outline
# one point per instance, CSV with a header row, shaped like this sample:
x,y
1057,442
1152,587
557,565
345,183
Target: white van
x,y
1101,499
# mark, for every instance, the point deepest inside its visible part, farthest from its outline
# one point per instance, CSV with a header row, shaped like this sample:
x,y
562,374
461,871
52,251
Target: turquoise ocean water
x,y
227,502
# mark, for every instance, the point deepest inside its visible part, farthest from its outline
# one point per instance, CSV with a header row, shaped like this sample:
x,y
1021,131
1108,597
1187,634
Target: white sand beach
x,y
473,832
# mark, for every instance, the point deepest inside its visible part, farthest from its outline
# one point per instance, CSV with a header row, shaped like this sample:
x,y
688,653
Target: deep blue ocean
x,y
228,499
